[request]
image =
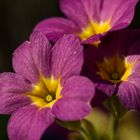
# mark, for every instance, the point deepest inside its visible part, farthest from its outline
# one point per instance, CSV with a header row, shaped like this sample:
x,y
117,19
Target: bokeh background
x,y
17,19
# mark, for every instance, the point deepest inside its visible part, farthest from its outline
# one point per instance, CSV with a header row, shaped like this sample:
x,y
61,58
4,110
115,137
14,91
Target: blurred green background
x,y
17,19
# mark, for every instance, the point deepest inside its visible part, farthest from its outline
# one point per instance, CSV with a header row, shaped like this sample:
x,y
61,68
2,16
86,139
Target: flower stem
x,y
117,110
115,107
114,125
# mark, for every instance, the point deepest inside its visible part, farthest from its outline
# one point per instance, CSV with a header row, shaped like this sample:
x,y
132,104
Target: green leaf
x,y
75,136
70,125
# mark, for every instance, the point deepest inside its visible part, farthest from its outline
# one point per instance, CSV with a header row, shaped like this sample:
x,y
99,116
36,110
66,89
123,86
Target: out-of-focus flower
x,y
89,19
129,126
46,86
115,66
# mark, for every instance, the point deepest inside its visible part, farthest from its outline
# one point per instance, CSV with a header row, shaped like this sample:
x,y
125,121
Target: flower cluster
x,y
88,61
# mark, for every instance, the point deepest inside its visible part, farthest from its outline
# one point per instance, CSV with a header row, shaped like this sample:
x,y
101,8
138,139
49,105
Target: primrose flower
x,y
89,19
46,85
115,66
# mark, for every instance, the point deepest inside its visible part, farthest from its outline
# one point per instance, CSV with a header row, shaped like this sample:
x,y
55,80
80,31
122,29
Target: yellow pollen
x,y
46,92
122,67
94,28
49,98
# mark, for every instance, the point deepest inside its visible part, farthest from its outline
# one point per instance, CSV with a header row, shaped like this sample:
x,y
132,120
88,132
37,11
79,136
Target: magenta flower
x,y
115,66
46,86
89,19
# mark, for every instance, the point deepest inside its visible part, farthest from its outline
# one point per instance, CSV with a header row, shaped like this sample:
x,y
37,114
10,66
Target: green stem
x,y
88,130
78,126
114,125
84,133
115,107
117,110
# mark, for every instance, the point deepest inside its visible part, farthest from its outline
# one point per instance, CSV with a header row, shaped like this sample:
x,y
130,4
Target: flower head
x,y
89,19
46,85
115,66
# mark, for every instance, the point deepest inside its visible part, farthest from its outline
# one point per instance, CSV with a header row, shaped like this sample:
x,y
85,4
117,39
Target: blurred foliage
x,y
99,125
129,127
18,17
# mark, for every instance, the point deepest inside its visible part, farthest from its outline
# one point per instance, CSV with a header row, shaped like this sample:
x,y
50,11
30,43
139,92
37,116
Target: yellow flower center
x,y
46,92
49,98
114,69
94,28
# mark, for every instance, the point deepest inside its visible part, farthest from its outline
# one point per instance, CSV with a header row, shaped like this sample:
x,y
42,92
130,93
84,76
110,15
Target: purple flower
x,y
115,66
89,19
46,85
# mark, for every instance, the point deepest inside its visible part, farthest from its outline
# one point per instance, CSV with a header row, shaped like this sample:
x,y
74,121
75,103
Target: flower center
x,y
94,28
114,69
49,98
46,92
115,76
